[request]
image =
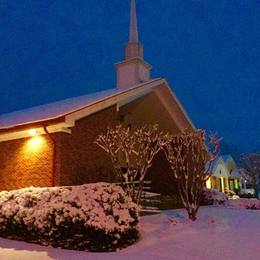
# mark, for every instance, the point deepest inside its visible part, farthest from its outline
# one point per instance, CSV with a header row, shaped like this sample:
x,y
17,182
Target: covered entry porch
x,y
220,183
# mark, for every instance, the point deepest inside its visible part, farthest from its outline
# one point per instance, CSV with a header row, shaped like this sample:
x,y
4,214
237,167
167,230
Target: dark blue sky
x,y
207,50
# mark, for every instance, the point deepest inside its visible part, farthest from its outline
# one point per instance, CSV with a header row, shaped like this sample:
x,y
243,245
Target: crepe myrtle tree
x,y
251,163
190,155
132,153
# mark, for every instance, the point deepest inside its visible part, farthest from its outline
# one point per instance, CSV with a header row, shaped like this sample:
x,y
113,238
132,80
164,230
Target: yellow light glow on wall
x,y
208,184
35,144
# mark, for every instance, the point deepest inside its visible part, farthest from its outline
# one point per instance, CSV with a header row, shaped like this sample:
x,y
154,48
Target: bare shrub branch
x,y
190,157
252,166
132,153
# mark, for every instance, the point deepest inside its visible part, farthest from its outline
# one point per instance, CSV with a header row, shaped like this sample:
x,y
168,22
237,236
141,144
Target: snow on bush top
x,y
213,197
101,206
244,203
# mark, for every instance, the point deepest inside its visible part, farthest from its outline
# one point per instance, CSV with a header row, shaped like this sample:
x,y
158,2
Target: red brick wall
x,y
79,160
25,162
82,161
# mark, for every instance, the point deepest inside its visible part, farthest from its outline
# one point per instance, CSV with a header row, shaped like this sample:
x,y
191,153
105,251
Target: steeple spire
x,y
133,36
133,70
133,48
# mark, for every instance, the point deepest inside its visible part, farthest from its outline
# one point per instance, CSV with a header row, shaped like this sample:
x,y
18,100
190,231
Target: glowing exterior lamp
x,y
33,132
36,141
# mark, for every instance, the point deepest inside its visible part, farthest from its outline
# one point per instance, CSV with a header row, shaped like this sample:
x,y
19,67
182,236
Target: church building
x,y
53,144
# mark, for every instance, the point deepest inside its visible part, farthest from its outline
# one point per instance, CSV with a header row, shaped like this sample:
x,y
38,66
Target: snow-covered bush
x,y
95,217
235,197
245,203
213,197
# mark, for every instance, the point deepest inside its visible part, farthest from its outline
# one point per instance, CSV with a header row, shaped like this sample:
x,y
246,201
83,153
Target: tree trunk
x,y
192,213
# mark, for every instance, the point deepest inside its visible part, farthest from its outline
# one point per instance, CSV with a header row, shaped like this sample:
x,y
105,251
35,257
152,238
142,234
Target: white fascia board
x,y
179,104
61,127
119,100
168,109
130,99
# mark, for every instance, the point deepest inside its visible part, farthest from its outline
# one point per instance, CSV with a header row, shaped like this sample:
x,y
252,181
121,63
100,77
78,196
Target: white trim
x,y
130,99
62,127
88,104
119,100
126,97
180,105
160,96
138,59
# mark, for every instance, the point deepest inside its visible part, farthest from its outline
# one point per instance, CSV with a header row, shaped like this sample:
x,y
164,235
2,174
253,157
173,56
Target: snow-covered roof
x,y
61,116
58,109
51,110
236,173
213,166
224,158
227,158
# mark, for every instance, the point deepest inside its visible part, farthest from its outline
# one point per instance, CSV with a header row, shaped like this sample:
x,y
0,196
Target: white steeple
x,y
133,36
133,70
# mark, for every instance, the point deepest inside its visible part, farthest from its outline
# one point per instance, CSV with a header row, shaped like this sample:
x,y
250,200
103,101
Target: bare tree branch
x,y
133,151
252,166
188,155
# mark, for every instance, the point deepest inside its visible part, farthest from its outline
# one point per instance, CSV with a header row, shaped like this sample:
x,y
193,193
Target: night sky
x,y
207,50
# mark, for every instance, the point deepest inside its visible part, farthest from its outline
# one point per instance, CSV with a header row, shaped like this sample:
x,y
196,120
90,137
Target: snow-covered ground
x,y
219,233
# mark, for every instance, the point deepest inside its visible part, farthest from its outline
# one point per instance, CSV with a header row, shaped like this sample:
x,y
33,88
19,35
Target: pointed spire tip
x,y
133,37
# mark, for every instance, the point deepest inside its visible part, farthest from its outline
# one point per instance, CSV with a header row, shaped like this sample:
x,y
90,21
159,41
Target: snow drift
x,y
244,203
95,217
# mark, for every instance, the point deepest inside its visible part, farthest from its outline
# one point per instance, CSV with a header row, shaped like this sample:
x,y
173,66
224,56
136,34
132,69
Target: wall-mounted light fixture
x,y
33,132
35,142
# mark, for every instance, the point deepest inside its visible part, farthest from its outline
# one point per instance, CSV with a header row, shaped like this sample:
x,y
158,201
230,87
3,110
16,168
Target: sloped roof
x,y
51,110
227,158
214,164
224,158
58,109
236,173
61,116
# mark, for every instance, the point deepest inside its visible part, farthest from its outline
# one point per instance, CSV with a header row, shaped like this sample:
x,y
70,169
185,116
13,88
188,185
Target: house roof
x,y
64,113
218,168
60,108
214,164
236,173
222,158
227,158
51,110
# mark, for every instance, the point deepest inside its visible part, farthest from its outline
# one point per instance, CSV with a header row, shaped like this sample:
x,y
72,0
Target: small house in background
x,y
53,144
224,175
246,183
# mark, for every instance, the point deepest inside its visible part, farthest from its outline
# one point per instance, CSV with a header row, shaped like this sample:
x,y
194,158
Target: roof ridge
x,y
60,108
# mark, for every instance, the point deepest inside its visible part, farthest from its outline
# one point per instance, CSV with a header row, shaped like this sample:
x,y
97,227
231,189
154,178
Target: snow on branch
x,y
252,169
190,156
132,153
